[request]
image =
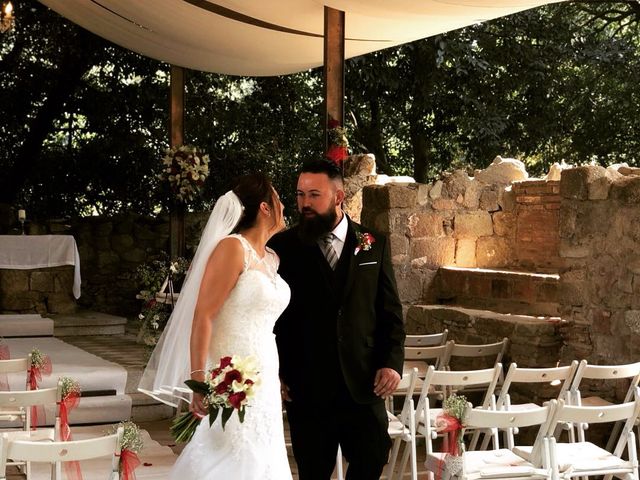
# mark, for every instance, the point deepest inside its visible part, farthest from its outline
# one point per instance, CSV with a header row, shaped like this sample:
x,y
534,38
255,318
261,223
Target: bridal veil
x,y
169,364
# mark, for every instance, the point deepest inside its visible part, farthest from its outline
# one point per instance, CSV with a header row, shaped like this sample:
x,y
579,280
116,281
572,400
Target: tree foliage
x,y
85,122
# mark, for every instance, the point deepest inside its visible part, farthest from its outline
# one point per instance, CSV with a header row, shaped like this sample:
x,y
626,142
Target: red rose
x,y
221,388
235,399
231,376
225,362
248,381
337,153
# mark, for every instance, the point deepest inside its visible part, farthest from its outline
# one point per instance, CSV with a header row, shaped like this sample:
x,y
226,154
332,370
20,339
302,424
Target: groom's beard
x,y
311,228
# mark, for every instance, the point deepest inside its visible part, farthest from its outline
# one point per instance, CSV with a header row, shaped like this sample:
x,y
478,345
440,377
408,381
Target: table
x,y
28,252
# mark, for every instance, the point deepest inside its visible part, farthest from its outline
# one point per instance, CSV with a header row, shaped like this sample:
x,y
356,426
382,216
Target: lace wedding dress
x,y
254,449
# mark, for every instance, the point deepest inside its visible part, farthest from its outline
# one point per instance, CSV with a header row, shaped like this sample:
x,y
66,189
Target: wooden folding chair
x,y
502,462
56,452
493,353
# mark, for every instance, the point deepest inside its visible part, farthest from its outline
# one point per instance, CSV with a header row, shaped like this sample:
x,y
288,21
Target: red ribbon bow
x,y
68,403
129,461
33,379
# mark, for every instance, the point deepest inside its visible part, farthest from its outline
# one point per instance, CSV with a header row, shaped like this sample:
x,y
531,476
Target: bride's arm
x,y
220,276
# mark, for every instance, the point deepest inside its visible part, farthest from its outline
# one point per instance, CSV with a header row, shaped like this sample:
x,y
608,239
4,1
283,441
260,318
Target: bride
x,y
228,305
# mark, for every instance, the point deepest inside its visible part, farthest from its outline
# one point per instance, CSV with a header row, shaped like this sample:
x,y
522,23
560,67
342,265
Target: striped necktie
x,y
329,251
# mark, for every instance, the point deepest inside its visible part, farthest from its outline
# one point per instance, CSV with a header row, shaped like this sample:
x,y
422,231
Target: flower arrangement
x,y
227,387
365,242
185,168
40,366
70,394
154,315
338,149
451,423
131,445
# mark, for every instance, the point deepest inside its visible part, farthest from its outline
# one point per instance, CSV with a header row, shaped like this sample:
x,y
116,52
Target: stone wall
x,y
111,249
600,245
492,220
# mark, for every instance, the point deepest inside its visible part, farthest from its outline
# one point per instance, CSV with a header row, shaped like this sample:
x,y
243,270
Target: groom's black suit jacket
x,y
340,326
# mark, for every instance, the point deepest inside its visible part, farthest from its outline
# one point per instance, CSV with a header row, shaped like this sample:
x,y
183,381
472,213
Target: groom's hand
x,y
386,381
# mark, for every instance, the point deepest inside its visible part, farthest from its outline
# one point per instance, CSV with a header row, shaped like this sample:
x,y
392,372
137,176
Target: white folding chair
x,y
584,458
470,354
556,382
402,429
23,401
502,462
426,415
603,376
56,452
421,341
17,365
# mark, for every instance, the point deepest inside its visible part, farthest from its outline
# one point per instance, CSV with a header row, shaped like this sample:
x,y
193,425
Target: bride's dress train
x,y
254,449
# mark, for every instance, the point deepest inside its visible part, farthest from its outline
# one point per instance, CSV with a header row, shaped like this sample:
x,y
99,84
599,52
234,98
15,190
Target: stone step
x,y
87,322
502,291
535,341
146,409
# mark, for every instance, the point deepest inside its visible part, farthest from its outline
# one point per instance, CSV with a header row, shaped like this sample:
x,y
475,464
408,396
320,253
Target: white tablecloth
x,y
27,252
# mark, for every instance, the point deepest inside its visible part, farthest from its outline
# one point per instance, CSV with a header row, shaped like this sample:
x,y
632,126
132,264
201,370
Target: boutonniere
x,y
365,241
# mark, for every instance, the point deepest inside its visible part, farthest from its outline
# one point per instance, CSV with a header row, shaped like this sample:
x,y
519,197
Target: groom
x,y
341,338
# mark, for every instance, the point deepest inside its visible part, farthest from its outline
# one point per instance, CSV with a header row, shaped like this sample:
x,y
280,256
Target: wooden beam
x,y
177,242
176,107
333,67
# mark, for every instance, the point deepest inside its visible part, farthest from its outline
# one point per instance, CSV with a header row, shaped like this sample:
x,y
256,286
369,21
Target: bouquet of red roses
x,y
227,387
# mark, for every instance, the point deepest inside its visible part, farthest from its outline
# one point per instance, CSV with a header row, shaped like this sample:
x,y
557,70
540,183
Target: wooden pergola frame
x,y
333,91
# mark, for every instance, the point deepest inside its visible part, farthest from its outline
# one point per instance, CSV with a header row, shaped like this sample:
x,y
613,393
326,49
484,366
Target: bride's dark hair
x,y
252,190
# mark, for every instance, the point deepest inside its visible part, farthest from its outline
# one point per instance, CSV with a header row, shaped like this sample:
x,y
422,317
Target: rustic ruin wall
x,y
600,245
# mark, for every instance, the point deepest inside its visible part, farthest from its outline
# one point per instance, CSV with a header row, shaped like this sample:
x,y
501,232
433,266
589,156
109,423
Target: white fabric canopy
x,y
270,37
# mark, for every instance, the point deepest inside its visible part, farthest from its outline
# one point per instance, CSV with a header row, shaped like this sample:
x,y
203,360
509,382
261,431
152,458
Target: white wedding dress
x,y
254,449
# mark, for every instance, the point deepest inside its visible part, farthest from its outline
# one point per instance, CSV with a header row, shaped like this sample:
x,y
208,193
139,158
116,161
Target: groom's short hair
x,y
327,167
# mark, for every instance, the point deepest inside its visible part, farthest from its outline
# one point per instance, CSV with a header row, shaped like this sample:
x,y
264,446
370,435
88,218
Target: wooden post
x,y
333,68
176,137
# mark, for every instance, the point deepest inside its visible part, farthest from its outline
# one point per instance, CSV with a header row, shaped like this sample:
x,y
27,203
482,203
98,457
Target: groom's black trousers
x,y
361,431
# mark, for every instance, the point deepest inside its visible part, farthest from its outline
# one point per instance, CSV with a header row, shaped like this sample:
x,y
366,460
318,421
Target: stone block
x,y
399,244
409,286
436,190
504,224
473,224
14,281
567,250
402,195
434,252
425,225
489,200
106,259
60,303
466,252
41,281
471,197
574,182
507,199
502,171
444,204
627,190
423,194
494,252
63,279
